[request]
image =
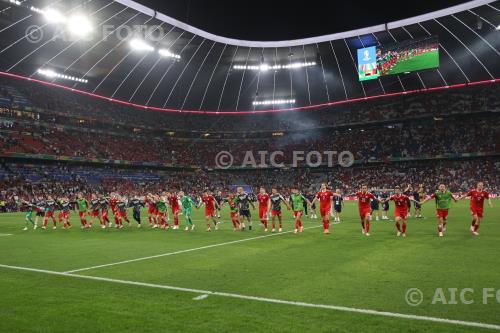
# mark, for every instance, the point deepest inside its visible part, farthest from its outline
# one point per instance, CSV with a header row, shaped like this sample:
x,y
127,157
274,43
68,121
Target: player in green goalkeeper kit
x,y
187,206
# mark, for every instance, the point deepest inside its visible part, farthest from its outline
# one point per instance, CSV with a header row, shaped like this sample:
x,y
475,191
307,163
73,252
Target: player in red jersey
x,y
210,204
103,204
364,198
264,204
173,202
325,198
114,209
232,201
477,197
401,211
151,209
94,209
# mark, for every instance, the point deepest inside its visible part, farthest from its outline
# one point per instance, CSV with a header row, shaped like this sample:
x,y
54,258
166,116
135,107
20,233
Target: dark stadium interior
x,y
205,79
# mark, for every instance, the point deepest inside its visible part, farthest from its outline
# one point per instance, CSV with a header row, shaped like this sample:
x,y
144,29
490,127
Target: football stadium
x,y
214,166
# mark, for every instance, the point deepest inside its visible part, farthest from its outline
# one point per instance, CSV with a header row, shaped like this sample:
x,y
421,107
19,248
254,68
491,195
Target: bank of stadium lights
x,y
168,54
140,45
79,25
266,67
53,16
498,27
274,102
54,75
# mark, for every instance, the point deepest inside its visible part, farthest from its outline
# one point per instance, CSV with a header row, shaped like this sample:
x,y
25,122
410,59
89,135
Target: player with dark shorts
x,y
244,203
385,204
310,196
220,200
374,207
409,192
136,205
40,211
419,194
338,202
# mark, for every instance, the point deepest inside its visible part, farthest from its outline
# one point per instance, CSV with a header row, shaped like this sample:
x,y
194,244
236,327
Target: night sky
x,y
281,20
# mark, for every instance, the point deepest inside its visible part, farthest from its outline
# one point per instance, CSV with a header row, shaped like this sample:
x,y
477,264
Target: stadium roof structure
x,y
131,54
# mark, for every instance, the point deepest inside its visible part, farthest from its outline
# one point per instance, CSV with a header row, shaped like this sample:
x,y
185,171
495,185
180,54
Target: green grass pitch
x,y
341,269
417,63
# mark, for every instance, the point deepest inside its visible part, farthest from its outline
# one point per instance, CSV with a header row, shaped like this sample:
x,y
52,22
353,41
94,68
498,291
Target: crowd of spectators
x,y
377,143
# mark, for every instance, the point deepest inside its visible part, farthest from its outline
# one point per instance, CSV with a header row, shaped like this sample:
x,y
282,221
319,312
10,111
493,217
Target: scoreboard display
x,y
405,57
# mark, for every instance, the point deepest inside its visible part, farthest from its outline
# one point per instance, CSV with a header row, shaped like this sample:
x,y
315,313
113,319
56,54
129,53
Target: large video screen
x,y
404,57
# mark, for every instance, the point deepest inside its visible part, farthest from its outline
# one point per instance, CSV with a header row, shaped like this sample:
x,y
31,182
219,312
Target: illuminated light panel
x,y
140,45
15,2
498,27
274,102
52,74
36,10
266,67
168,54
53,16
79,25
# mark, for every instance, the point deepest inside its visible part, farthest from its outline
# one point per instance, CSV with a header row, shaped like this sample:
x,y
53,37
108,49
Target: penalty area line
x,y
206,293
183,251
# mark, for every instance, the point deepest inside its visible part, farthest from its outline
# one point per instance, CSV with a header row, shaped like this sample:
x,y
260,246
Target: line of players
x,y
239,204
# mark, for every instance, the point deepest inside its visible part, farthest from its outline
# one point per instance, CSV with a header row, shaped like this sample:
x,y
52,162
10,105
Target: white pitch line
x,y
182,251
265,299
200,298
5,235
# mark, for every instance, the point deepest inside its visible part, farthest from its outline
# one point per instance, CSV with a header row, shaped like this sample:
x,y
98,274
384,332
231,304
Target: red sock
x,y
150,219
296,224
176,220
363,224
326,224
404,227
274,225
473,222
264,222
476,226
367,225
398,226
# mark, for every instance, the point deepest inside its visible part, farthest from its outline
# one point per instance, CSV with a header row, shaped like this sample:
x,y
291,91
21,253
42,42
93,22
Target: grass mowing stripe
x,y
267,300
182,251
